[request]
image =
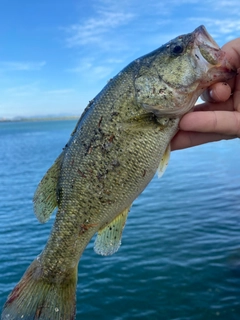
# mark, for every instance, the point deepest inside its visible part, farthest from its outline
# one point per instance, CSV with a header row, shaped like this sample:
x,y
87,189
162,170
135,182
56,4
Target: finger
x,y
232,52
208,106
184,139
218,92
236,94
222,122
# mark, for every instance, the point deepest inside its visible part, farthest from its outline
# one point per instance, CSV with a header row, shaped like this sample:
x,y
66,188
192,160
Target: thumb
x,y
218,92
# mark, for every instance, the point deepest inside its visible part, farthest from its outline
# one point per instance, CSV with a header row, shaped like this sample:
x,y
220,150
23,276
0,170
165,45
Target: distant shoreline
x,y
35,119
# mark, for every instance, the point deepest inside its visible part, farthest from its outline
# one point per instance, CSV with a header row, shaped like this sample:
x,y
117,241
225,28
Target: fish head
x,y
171,78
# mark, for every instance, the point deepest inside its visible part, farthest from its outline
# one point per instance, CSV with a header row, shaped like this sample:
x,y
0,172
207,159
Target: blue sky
x,y
55,56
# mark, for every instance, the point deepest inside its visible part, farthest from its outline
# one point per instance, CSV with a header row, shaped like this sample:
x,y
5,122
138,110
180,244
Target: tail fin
x,y
37,298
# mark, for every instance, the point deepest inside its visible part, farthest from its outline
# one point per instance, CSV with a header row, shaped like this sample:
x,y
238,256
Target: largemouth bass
x,y
116,148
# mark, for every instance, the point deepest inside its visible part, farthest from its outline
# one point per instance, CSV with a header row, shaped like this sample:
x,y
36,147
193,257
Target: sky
x,y
56,55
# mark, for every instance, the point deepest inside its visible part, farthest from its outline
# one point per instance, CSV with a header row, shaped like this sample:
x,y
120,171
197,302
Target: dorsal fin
x,y
164,162
45,197
108,239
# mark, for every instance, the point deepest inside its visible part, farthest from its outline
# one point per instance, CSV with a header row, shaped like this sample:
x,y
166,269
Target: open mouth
x,y
204,38
210,53
208,48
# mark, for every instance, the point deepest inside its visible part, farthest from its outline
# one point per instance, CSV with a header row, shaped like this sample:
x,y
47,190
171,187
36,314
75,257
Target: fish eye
x,y
177,49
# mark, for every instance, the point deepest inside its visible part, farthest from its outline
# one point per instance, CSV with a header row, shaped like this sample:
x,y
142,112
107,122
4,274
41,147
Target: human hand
x,y
219,117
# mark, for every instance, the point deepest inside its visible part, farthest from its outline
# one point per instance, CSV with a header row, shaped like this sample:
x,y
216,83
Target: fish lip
x,y
214,57
204,38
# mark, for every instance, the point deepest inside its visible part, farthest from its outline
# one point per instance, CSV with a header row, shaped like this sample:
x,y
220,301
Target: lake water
x,y
180,253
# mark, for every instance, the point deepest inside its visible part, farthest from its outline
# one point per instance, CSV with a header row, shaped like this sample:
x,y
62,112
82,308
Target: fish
x,y
121,140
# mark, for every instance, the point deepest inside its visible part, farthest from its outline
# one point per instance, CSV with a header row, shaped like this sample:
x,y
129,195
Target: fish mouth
x,y
211,57
203,37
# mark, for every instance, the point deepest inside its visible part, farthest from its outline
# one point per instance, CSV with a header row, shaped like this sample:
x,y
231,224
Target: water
x,y
180,253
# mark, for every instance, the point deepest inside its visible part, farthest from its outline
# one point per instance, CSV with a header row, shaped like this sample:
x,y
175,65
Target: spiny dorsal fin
x,y
45,197
108,239
164,162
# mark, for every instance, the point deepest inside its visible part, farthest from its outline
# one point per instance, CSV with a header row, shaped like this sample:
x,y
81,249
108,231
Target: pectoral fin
x,y
45,197
108,239
164,162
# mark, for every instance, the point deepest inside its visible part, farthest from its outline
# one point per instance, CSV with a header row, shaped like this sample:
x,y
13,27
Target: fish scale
x,y
114,151
142,153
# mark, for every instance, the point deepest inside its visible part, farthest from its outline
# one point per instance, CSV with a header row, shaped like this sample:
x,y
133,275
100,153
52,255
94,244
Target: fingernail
x,y
210,92
207,96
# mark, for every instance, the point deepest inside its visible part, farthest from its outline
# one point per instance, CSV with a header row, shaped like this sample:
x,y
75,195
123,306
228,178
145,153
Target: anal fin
x,y
109,238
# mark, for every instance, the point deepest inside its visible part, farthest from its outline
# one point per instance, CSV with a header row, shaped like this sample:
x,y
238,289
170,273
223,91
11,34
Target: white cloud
x,y
227,4
92,71
93,29
223,29
33,99
59,92
21,66
34,89
22,90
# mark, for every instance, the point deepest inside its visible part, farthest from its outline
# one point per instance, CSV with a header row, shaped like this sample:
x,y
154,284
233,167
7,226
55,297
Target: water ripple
x,y
180,253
